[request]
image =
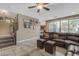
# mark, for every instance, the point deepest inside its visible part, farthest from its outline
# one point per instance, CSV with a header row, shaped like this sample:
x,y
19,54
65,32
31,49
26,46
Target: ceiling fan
x,y
40,6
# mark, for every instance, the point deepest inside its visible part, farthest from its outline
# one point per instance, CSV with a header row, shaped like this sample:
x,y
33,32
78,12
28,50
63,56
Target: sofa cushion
x,y
73,38
62,34
58,40
62,37
42,40
51,36
55,36
71,42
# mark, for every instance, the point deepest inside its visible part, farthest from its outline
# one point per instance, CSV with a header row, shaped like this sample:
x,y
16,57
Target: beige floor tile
x,y
29,50
18,50
31,45
60,51
39,52
35,54
5,48
7,52
21,53
44,53
0,52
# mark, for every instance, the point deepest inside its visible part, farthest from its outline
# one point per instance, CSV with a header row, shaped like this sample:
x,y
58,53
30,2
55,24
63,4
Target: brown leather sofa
x,y
64,39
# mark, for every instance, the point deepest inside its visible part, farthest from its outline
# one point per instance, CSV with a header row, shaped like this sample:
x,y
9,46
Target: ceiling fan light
x,y
45,5
40,7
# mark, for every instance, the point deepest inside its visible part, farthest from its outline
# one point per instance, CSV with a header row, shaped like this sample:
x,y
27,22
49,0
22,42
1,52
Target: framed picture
x,y
27,23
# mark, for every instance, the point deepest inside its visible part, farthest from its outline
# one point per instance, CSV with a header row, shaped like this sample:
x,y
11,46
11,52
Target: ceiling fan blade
x,y
46,8
32,7
38,10
45,3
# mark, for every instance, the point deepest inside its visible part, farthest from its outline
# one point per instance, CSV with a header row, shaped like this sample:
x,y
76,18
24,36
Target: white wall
x,y
24,34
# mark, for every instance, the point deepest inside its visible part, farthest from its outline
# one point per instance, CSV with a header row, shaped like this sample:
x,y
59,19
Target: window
x,y
50,25
27,23
64,25
74,26
54,26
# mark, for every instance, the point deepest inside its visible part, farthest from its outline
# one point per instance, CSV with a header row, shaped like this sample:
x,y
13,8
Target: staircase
x,y
7,41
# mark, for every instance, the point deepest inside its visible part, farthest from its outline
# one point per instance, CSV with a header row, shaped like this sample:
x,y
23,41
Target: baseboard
x,y
34,38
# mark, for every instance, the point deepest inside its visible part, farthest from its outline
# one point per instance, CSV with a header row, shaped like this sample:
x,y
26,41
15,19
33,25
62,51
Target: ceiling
x,y
56,10
22,8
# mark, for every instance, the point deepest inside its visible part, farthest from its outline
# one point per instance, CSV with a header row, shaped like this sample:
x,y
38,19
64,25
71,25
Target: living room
x,y
39,29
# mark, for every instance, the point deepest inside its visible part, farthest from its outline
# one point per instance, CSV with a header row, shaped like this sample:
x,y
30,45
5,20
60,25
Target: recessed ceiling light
x,y
40,7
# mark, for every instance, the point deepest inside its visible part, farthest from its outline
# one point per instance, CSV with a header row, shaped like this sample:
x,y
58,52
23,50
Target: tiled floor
x,y
27,48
